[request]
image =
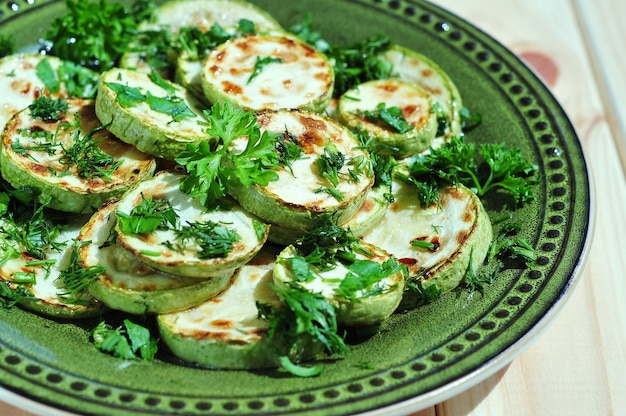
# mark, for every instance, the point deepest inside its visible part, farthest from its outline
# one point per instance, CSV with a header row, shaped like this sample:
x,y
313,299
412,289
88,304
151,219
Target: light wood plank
x,y
578,366
604,36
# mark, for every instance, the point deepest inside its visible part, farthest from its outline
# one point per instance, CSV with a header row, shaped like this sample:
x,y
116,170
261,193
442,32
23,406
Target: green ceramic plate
x,y
419,358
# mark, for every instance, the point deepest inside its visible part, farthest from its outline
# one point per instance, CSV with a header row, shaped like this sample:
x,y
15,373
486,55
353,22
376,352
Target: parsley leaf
x,y
366,274
171,105
260,65
304,317
330,163
128,97
359,62
212,170
455,162
388,116
93,34
148,216
129,341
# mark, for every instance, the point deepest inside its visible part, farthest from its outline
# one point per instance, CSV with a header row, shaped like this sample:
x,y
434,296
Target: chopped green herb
x,y
506,244
172,105
304,315
304,30
88,158
48,109
427,245
364,278
11,296
260,65
130,341
211,170
288,149
76,278
93,34
148,216
454,162
330,163
128,97
214,239
359,62
390,117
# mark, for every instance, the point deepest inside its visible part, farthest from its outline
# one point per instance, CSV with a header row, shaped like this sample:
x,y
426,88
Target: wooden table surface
x,y
578,365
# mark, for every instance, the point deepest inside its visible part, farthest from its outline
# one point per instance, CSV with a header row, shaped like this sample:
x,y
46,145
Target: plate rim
x,y
506,356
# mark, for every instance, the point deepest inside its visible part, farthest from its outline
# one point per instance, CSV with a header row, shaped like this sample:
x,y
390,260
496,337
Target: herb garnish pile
x,y
92,36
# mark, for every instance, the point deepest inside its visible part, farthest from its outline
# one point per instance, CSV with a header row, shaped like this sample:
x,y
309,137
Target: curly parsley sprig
x,y
456,162
211,171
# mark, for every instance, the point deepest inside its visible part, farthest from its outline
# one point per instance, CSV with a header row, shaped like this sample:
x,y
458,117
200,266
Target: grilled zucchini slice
x,y
156,116
72,160
305,191
357,304
367,216
226,332
130,285
22,78
268,72
202,243
175,16
397,115
412,66
458,228
48,295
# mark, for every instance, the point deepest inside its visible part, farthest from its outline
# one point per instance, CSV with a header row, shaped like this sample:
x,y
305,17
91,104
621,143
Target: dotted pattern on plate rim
x,y
528,286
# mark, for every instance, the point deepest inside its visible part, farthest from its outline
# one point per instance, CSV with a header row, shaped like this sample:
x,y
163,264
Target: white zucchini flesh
x,y
45,170
295,200
150,248
225,332
367,309
459,227
205,13
48,289
151,131
364,219
414,104
297,77
412,66
19,82
130,285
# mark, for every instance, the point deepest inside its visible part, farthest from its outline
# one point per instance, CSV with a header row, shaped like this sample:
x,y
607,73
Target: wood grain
x,y
578,366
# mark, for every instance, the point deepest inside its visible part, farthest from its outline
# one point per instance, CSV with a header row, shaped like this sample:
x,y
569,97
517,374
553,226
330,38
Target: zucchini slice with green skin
x,y
412,66
22,78
46,294
368,305
158,118
302,194
73,160
203,14
185,250
130,285
19,83
459,230
410,131
367,216
225,332
268,72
